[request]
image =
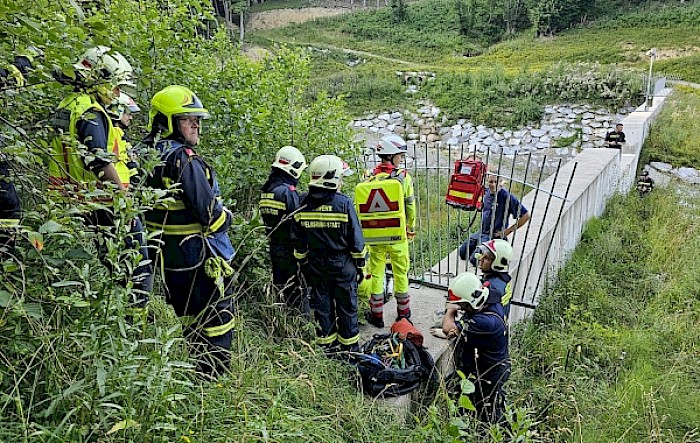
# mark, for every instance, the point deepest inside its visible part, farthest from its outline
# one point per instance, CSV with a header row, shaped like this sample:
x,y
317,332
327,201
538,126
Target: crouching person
x,y
194,249
327,240
481,351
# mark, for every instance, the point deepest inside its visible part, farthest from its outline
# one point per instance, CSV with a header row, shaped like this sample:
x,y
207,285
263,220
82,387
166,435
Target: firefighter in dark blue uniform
x,y
481,349
10,209
494,258
194,249
278,201
327,238
14,75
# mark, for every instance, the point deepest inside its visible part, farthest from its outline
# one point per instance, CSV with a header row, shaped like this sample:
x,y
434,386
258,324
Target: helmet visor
x,y
129,88
457,302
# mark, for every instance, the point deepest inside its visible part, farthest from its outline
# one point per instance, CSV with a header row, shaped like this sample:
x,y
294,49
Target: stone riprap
x,y
562,133
684,174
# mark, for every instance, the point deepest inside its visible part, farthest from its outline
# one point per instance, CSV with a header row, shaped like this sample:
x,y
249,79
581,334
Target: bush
x,y
496,99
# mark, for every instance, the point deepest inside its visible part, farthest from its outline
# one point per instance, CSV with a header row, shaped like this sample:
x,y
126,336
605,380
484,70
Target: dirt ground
x,y
283,17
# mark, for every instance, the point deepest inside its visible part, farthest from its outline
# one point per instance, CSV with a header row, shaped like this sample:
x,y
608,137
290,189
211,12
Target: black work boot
x,y
374,320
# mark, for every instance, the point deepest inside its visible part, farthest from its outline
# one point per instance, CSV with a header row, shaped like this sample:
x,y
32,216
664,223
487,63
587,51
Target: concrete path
x,y
424,304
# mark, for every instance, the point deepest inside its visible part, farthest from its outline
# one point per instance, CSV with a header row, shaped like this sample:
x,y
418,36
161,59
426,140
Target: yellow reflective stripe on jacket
x,y
300,255
217,331
177,205
348,341
508,295
360,254
266,203
119,149
321,216
17,74
410,201
9,222
327,340
192,228
218,223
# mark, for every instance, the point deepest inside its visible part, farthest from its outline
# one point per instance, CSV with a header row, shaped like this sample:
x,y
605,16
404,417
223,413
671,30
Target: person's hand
x,y
411,235
360,276
449,327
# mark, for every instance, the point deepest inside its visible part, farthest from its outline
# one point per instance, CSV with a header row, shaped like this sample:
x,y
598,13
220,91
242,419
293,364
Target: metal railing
x,y
441,229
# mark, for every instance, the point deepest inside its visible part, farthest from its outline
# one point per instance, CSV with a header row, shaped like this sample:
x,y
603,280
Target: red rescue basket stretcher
x,y
466,188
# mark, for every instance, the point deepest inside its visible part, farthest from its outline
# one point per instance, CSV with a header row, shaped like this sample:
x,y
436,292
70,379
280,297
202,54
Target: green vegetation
x,y
674,137
611,354
75,369
434,38
682,67
361,88
270,5
501,100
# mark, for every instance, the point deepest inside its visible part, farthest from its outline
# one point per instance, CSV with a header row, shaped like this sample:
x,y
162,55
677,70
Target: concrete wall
x,y
543,245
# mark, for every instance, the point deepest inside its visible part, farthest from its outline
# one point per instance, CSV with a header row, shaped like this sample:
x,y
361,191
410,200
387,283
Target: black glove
x,y
359,264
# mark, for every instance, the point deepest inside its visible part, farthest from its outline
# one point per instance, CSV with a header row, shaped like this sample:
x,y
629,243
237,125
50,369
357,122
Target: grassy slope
x,y
611,354
675,138
429,40
431,37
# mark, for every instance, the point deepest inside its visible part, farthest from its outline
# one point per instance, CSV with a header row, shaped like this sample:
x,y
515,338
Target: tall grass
x,y
674,137
611,353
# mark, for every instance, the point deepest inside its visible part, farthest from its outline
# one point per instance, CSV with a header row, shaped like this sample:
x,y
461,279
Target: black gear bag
x,y
390,366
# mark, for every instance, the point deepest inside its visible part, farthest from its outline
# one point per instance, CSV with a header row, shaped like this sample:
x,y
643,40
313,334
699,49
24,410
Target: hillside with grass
x,y
357,55
610,356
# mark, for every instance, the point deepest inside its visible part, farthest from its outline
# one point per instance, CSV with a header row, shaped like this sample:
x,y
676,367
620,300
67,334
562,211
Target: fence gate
x,y
441,229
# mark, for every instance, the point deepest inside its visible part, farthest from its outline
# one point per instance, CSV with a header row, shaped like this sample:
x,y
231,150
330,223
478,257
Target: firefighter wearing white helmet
x,y
386,206
101,66
279,199
328,243
494,257
481,347
81,119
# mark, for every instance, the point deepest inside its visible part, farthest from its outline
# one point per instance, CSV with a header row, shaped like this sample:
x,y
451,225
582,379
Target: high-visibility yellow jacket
x,y
120,148
66,165
386,205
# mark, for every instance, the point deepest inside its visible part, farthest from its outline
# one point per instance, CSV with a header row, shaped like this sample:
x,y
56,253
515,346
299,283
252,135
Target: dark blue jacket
x,y
484,343
280,187
196,213
497,282
500,289
9,201
503,199
326,227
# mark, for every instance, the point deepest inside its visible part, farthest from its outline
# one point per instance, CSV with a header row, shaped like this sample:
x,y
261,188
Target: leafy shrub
x,y
685,68
497,99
